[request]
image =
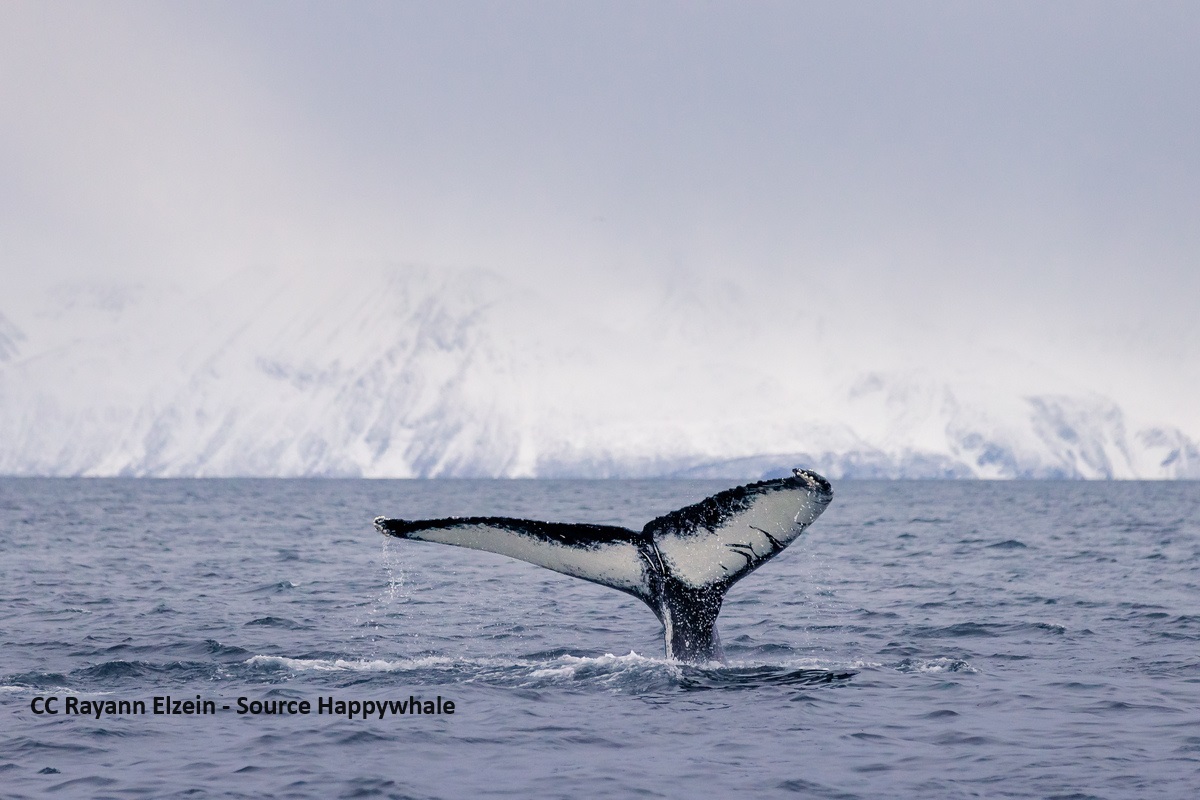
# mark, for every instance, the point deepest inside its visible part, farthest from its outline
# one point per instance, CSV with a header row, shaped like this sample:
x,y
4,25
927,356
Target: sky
x,y
1019,174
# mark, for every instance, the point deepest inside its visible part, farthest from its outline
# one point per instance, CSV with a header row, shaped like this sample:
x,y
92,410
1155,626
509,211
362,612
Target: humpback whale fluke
x,y
680,564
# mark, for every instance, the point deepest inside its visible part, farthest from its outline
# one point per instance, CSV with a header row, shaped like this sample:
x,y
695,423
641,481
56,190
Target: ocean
x,y
922,639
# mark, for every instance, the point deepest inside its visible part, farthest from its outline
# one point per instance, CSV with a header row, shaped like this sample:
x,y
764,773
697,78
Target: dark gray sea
x,y
922,639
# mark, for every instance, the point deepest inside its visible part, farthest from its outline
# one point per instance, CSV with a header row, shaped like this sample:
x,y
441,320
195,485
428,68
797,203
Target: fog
x,y
1021,176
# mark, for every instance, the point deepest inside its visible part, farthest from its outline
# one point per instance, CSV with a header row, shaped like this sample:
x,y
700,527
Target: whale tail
x,y
680,564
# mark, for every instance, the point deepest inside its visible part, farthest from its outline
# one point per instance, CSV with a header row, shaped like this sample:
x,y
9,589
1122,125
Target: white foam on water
x,y
371,665
573,666
936,665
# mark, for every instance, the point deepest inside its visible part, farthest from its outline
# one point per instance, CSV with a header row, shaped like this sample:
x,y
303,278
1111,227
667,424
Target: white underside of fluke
x,y
614,564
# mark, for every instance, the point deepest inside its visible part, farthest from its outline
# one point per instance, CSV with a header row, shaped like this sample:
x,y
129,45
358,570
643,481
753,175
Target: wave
x,y
630,673
342,664
935,665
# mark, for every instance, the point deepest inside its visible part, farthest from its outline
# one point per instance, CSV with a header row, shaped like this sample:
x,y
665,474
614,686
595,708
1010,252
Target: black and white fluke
x,y
680,564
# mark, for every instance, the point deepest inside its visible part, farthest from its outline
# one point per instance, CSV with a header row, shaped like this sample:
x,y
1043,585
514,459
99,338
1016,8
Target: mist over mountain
x,y
931,239
417,372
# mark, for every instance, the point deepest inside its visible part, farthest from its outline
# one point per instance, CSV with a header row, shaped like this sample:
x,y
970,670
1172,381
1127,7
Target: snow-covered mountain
x,y
407,372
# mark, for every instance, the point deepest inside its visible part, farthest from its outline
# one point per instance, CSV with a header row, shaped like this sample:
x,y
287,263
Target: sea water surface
x,y
922,639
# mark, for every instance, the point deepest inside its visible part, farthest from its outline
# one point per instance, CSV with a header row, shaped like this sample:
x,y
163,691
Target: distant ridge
x,y
413,372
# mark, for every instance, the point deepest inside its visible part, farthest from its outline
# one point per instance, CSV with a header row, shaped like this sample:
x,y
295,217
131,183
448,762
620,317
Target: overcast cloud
x,y
1020,171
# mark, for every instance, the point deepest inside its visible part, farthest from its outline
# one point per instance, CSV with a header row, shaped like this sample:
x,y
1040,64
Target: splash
x,y
620,674
395,591
935,665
